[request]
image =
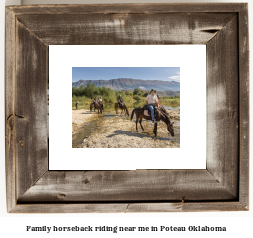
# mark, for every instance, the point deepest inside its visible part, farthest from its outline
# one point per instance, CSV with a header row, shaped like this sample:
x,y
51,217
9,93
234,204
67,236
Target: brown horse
x,y
101,105
123,109
139,112
100,109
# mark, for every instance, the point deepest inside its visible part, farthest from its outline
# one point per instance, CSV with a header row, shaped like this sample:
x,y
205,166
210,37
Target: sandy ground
x,y
79,117
174,114
115,131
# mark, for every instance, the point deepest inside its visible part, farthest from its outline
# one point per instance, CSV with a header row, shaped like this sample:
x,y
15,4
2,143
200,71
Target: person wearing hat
x,y
152,101
95,102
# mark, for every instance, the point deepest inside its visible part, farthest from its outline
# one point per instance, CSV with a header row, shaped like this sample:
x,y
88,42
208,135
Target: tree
x,y
90,90
137,91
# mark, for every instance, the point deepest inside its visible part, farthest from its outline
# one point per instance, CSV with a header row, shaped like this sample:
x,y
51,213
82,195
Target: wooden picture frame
x,y
223,186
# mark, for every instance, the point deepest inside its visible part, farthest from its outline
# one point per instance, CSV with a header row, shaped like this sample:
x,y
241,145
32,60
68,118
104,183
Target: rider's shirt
x,y
151,99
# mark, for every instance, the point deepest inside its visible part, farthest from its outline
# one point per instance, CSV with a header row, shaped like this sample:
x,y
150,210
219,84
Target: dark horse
x,y
123,109
101,105
139,112
98,106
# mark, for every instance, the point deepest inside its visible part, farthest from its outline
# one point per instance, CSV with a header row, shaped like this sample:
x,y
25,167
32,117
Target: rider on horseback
x,y
95,102
120,101
152,101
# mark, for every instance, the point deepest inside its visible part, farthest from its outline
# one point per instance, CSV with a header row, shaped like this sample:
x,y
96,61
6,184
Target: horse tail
x,y
132,115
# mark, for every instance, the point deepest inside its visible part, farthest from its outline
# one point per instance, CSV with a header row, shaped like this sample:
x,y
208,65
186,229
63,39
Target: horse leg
x,y
137,119
155,129
141,124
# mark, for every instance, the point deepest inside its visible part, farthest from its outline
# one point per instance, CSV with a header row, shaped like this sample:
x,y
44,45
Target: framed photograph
x,y
127,108
109,131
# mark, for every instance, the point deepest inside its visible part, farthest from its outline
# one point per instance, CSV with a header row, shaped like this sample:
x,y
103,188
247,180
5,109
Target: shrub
x,y
137,98
128,93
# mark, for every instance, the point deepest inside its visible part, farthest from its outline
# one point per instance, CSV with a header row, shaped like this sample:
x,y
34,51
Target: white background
x,y
239,223
192,62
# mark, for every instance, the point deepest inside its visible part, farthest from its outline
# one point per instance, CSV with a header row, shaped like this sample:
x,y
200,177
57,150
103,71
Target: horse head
x,y
165,117
170,128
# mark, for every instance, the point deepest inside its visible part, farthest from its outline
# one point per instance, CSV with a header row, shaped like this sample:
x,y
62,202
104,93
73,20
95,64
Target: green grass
x,y
175,101
84,102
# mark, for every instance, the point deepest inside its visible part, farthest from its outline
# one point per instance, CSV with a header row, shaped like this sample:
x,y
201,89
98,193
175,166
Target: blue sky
x,y
146,73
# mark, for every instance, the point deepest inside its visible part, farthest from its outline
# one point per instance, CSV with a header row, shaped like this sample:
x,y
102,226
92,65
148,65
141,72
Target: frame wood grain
x,y
223,186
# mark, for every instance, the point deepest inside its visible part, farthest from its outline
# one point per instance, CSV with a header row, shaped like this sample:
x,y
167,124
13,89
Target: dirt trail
x,y
79,117
115,131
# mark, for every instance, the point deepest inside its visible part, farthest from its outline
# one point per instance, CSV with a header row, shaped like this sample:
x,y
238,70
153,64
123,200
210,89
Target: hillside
x,y
163,93
131,84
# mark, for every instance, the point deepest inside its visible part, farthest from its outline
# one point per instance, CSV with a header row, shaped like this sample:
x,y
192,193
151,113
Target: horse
x,y
100,110
139,112
123,109
101,105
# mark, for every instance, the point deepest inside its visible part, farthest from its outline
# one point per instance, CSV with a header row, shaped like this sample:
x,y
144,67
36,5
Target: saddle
x,y
147,111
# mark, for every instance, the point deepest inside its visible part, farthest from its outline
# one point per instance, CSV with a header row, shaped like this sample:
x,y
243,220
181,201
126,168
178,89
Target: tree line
x,y
110,96
91,91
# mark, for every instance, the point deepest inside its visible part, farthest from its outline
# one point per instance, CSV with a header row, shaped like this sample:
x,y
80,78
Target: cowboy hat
x,y
153,90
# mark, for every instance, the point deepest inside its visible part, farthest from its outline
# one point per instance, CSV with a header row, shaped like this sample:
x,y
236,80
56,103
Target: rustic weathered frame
x,y
222,186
